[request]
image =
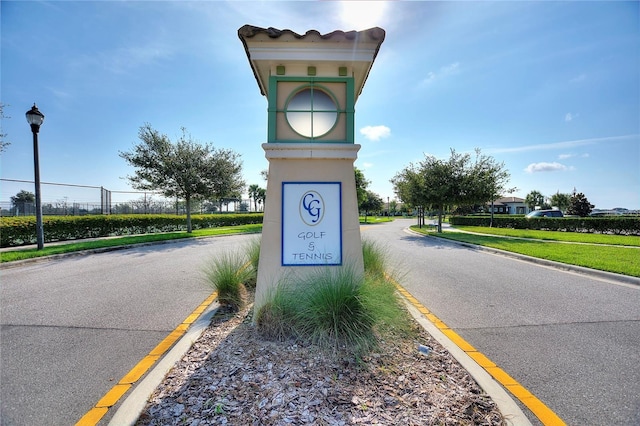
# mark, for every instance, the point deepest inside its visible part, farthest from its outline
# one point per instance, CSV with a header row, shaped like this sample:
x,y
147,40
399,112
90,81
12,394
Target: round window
x,y
311,112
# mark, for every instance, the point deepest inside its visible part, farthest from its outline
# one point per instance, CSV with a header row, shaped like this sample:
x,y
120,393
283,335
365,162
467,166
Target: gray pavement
x,y
571,339
71,328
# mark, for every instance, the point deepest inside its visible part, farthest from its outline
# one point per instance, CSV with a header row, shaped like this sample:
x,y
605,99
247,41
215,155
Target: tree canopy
x,y
184,169
368,201
580,205
561,201
460,181
372,203
535,199
361,185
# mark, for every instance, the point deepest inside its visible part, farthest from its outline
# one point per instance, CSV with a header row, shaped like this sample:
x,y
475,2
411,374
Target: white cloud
x,y
453,68
578,78
375,133
565,156
545,167
445,71
562,145
367,165
569,117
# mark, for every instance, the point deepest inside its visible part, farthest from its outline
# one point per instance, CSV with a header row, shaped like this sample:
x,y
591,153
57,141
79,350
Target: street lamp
x,y
35,119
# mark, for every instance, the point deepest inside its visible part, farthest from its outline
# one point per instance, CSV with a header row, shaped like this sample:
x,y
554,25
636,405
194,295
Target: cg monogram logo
x,y
311,208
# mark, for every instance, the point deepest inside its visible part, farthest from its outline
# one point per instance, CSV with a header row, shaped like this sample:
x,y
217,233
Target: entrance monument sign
x,y
311,82
311,223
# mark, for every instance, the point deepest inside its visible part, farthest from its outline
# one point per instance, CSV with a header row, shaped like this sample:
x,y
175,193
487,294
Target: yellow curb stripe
x,y
542,412
192,318
501,376
166,343
546,416
111,397
459,341
93,416
481,359
139,370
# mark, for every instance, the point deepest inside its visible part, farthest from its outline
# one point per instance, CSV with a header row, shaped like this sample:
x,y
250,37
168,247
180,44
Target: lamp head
x,y
34,117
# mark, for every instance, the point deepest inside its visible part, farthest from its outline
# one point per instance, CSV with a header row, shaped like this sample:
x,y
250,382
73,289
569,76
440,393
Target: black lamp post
x,y
35,119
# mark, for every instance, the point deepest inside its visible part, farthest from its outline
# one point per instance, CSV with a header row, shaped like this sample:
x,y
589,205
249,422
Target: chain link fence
x,y
17,199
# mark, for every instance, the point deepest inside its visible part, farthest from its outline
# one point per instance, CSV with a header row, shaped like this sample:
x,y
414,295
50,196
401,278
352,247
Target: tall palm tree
x,y
254,194
262,196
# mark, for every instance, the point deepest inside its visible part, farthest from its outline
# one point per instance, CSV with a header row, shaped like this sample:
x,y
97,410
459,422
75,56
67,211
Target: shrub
x,y
621,225
227,273
16,231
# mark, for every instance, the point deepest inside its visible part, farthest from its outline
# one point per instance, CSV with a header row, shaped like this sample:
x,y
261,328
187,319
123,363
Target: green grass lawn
x,y
375,219
18,254
574,237
588,250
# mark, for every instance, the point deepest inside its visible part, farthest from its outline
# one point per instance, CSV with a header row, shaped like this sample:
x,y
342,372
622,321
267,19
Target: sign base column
x,y
307,180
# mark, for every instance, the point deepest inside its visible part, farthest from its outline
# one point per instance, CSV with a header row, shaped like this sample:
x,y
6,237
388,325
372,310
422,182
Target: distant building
x,y
508,205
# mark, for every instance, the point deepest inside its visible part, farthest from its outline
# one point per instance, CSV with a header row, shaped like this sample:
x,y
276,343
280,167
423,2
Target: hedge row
x,y
621,225
16,231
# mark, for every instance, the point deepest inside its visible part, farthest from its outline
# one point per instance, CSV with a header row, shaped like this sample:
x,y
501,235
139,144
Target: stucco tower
x,y
312,83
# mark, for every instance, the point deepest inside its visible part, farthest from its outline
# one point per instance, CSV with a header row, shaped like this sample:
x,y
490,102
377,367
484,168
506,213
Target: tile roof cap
x,y
367,42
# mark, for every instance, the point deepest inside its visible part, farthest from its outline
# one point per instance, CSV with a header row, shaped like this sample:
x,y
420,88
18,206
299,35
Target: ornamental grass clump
x,y
275,318
228,273
337,307
374,259
252,250
331,309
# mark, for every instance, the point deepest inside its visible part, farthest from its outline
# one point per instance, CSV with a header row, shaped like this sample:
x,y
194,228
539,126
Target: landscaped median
x,y
611,253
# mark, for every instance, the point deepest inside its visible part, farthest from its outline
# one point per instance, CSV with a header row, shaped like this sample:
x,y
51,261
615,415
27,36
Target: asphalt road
x,y
71,328
570,339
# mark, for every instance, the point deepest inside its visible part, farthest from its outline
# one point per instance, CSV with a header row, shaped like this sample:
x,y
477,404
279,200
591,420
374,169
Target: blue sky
x,y
552,89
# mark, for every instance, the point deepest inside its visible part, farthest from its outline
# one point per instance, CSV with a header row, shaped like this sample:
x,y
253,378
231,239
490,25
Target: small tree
x,y
361,185
185,170
561,201
373,202
21,200
487,181
459,181
393,206
580,205
534,199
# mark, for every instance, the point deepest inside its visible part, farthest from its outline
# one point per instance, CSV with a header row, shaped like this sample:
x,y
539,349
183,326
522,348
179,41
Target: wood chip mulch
x,y
234,376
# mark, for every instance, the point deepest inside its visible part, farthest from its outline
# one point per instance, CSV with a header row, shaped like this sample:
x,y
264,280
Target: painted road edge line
x,y
192,324
482,369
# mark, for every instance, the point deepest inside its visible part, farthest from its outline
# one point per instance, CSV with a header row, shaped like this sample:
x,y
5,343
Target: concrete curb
x,y
134,404
506,404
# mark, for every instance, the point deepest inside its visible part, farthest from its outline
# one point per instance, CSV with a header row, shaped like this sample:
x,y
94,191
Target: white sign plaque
x,y
311,223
